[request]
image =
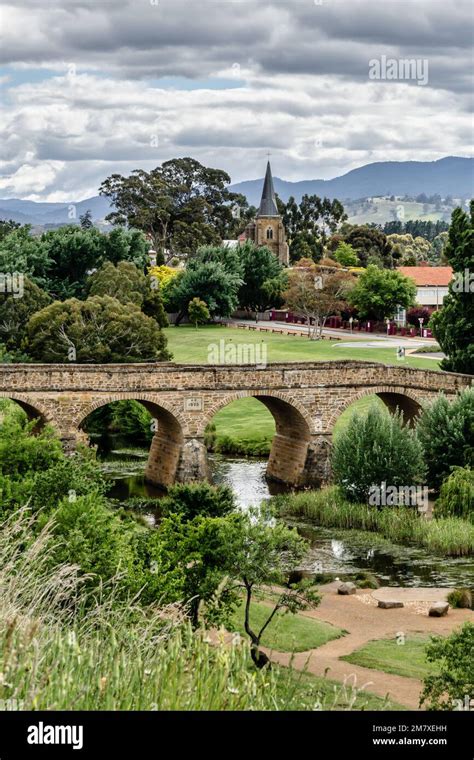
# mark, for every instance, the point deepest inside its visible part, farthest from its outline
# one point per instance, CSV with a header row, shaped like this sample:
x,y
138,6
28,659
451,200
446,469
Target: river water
x,y
332,550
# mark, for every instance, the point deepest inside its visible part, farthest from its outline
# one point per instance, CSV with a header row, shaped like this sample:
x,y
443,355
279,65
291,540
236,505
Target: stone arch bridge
x,y
305,400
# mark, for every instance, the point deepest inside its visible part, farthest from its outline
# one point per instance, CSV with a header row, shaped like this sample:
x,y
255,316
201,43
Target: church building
x,y
267,227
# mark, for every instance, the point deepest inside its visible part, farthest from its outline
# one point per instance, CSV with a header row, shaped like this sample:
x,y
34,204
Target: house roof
x,y
268,205
426,276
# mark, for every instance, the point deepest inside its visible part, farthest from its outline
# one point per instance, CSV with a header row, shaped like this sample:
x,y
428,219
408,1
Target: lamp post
x,y
421,320
351,319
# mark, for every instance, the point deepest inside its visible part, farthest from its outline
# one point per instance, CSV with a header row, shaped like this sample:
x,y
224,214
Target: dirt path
x,y
364,621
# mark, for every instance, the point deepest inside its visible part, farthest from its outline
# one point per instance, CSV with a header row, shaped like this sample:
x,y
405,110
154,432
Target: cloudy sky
x,y
91,87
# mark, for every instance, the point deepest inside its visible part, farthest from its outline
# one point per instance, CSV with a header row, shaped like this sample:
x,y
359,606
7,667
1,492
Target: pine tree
x,y
453,325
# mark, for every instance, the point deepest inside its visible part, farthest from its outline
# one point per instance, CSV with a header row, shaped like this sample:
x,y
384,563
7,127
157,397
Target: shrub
x,y
457,494
374,449
460,598
195,499
448,689
446,432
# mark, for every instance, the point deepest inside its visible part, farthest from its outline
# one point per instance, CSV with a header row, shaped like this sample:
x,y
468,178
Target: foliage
x,y
61,649
414,314
128,419
100,329
209,281
453,325
259,552
448,689
198,312
446,432
371,245
346,255
15,313
129,285
457,494
410,251
309,223
195,499
264,278
316,296
460,598
179,205
376,449
379,292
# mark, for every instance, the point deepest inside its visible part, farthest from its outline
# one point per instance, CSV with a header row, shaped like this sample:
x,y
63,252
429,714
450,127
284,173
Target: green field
x,y
406,659
287,632
191,346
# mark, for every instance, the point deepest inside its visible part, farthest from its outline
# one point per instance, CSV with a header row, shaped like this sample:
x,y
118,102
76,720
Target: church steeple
x,y
268,206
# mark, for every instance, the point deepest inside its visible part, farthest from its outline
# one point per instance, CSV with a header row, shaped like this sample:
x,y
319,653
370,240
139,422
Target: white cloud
x,y
303,89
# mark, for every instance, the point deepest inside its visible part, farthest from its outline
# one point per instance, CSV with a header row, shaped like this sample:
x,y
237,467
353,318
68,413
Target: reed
x,y
450,536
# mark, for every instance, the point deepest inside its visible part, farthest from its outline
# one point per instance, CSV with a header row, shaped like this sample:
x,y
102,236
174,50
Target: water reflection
x,y
332,551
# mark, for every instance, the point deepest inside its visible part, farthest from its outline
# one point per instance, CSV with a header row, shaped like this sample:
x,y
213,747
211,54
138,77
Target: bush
x,y
376,449
195,499
457,494
446,432
460,598
448,689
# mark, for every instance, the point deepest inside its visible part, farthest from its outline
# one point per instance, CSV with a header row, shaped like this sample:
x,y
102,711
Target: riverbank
x,y
449,536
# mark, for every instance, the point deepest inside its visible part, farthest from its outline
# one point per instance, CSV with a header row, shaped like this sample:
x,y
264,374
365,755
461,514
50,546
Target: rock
x,y
439,609
386,604
347,588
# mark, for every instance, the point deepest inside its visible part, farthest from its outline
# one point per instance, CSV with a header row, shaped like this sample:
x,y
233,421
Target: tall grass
x,y
58,653
449,536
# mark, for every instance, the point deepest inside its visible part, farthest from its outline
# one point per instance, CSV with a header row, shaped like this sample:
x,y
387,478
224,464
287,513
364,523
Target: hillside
x,y
449,176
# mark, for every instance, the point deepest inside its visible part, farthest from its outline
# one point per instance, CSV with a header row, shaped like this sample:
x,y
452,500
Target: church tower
x,y
267,227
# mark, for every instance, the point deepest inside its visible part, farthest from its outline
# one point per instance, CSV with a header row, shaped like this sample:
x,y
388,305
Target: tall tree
x,y
371,245
180,205
379,292
453,325
264,278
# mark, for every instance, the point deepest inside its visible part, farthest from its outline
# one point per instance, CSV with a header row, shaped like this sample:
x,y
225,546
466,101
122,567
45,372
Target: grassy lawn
x,y
401,659
287,632
189,346
299,690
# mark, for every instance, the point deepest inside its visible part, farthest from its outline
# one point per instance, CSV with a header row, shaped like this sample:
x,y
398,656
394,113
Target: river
x,y
332,550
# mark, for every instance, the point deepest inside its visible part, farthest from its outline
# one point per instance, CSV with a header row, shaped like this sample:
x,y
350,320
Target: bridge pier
x,y
287,459
163,459
193,463
317,467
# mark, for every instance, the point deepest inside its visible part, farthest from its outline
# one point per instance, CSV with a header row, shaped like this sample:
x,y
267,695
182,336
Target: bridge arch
x,y
407,401
169,430
32,409
294,430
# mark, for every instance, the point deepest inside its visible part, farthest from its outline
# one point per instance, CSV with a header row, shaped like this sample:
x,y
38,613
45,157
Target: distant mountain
x,y
449,176
30,212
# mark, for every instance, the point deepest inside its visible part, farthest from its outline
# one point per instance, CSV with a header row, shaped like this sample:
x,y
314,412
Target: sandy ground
x,y
364,621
